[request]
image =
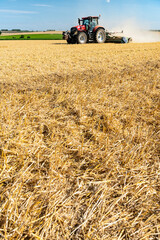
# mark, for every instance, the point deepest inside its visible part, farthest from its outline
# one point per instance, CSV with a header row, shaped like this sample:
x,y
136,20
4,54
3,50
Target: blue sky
x,y
62,14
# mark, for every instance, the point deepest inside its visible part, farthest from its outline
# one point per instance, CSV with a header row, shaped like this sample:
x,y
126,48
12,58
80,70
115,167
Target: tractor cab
x,y
88,23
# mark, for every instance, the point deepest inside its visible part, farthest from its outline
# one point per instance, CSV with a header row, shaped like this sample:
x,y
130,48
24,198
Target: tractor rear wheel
x,y
82,38
100,36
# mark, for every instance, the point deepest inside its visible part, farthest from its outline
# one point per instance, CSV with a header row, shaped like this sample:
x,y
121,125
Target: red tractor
x,y
89,30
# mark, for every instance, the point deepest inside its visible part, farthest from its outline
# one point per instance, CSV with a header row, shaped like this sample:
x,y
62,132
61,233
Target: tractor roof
x,y
89,17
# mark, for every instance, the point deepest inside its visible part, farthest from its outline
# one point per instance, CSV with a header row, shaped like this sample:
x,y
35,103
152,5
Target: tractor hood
x,y
79,27
83,28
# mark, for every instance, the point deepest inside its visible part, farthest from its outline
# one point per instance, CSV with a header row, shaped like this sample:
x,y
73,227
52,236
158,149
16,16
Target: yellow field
x,y
79,132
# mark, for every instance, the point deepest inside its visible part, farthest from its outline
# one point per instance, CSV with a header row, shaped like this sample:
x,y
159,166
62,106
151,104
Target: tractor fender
x,y
97,27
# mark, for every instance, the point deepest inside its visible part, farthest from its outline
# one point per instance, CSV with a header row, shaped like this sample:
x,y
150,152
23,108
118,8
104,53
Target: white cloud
x,y
108,1
41,5
16,11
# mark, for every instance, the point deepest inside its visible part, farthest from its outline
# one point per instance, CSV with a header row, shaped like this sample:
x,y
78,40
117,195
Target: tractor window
x,y
95,21
86,22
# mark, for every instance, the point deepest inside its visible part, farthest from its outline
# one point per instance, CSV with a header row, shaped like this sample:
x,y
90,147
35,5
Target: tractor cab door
x,y
93,24
95,21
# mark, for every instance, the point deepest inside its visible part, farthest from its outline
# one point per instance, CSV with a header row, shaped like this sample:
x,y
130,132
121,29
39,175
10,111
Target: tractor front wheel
x,y
82,38
100,36
71,41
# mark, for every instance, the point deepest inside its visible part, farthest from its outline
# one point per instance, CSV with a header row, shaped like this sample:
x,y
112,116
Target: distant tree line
x,y
155,30
19,30
13,30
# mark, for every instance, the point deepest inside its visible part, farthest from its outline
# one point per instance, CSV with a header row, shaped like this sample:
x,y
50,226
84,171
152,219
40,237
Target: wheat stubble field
x,y
79,132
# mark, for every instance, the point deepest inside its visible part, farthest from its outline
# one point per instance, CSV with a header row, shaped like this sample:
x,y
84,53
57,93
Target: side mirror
x,y
78,21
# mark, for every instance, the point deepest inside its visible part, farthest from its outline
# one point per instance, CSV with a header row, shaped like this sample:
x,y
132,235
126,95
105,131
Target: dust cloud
x,y
133,30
